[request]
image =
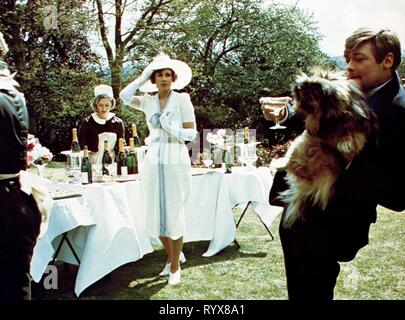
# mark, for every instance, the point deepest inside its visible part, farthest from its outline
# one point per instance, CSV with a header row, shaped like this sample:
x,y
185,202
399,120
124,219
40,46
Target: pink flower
x,y
37,154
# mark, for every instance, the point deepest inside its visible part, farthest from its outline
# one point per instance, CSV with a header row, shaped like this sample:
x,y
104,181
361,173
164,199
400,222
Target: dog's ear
x,y
307,95
333,98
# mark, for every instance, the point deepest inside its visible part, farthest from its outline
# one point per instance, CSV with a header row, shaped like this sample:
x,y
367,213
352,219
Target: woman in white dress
x,y
166,171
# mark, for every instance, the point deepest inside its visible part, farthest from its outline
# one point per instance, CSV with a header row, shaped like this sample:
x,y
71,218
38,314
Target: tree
x,y
130,45
55,64
239,51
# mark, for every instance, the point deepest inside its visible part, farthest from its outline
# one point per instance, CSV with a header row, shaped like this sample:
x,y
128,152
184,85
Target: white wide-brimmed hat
x,y
105,90
182,70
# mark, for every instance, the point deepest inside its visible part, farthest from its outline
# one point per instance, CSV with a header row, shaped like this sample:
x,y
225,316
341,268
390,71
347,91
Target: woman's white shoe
x,y
182,258
174,278
166,270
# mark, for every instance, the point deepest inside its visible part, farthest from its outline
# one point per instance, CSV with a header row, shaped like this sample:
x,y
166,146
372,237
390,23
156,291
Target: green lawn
x,y
255,271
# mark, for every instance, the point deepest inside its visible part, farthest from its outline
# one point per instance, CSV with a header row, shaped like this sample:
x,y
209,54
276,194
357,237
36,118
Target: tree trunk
x,y
116,68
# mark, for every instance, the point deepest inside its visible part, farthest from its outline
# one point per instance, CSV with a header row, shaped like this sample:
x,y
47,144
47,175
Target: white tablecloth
x,y
67,215
253,185
118,236
209,213
107,225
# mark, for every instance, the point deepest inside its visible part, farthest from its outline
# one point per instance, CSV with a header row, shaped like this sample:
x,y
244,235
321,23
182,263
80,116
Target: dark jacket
x,y
389,105
13,131
375,176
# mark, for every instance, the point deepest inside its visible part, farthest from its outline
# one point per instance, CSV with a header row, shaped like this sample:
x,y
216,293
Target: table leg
x,y
241,217
65,238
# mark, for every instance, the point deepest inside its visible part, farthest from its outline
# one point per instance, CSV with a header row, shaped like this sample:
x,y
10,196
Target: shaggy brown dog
x,y
338,123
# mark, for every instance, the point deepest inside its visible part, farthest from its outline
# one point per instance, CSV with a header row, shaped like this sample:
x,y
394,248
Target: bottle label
x,y
85,177
124,171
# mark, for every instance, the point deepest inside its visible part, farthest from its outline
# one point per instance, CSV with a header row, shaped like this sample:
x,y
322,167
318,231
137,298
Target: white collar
x,y
101,120
8,83
372,91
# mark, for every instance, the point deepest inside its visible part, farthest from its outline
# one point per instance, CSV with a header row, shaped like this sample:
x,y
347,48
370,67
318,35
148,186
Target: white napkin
x,y
39,188
111,137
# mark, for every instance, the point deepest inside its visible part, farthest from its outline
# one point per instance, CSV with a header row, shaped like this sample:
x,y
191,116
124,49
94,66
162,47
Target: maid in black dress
x,y
101,125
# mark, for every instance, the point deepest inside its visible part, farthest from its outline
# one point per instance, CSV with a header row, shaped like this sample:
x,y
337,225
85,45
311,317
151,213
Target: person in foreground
x,y
314,245
101,124
166,171
20,218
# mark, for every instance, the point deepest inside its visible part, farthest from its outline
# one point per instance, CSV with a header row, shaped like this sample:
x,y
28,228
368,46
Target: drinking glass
x,y
112,170
276,111
97,172
277,104
248,154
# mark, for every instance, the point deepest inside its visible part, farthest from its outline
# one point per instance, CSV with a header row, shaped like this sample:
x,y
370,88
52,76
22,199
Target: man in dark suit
x,y
314,246
20,218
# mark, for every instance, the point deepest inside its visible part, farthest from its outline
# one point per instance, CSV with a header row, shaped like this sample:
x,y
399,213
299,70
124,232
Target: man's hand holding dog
x,y
269,104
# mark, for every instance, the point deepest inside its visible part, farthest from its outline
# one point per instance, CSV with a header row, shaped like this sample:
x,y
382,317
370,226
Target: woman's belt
x,y
165,140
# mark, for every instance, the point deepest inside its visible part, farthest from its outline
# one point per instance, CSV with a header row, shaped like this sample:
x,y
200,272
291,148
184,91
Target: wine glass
x,y
276,111
276,104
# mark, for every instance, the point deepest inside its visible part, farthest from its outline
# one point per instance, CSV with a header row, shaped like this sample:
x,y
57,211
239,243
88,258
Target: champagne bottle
x,y
106,158
227,159
246,135
132,163
75,147
122,169
86,167
137,140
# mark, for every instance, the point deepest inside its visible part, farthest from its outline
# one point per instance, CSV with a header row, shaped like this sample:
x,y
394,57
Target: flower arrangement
x,y
37,154
218,138
217,145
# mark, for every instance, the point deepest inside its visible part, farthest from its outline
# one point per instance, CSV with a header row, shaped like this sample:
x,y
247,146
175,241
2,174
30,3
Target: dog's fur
x,y
338,122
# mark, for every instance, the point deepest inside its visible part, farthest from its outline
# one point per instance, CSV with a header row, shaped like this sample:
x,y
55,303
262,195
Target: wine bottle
x,y
137,140
246,135
227,159
86,167
75,147
122,169
132,161
106,158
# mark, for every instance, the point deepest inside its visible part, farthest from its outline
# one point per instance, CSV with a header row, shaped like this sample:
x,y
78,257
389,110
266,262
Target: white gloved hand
x,y
165,120
3,46
181,134
127,93
145,75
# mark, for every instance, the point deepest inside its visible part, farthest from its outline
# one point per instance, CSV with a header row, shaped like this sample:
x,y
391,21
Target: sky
x,y
339,18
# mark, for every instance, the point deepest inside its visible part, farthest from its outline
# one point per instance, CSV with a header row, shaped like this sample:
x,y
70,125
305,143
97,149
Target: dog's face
x,y
325,96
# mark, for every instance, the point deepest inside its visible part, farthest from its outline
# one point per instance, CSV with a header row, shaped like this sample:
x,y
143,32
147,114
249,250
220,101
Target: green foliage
x,y
240,51
57,69
129,116
265,154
